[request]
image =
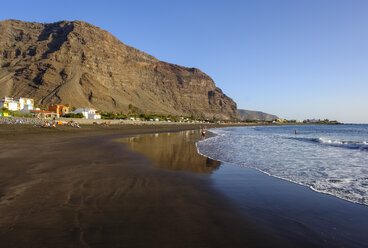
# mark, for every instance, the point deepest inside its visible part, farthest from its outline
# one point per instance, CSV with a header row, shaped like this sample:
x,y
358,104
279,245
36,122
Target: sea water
x,y
331,159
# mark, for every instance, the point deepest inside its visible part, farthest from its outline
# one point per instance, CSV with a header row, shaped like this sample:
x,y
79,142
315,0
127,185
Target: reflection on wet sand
x,y
176,151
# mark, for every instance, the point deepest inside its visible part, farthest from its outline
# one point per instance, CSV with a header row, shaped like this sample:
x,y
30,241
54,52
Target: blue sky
x,y
297,59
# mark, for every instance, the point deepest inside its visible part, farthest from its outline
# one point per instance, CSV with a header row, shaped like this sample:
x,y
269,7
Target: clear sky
x,y
297,59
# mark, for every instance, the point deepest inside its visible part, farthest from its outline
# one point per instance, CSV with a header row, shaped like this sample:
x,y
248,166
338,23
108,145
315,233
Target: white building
x,y
17,104
88,113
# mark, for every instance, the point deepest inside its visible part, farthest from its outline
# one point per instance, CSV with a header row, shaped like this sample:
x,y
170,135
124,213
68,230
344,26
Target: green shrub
x,y
15,113
108,115
73,115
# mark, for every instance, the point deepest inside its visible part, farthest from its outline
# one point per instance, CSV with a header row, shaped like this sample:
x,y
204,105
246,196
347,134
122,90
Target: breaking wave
x,y
337,143
335,163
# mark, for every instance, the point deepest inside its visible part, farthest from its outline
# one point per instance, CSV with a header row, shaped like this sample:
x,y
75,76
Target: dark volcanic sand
x,y
81,188
87,188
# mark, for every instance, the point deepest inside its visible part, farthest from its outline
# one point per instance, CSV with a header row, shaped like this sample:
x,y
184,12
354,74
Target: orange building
x,y
59,109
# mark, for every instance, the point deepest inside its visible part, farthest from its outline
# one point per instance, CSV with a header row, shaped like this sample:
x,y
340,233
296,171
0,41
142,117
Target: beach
x,y
75,188
143,186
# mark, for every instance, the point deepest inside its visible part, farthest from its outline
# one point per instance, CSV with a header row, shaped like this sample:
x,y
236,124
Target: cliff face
x,y
81,65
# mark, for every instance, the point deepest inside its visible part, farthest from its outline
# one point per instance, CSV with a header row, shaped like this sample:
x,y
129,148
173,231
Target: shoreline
x,y
99,192
83,189
284,179
245,188
339,222
281,178
294,211
300,229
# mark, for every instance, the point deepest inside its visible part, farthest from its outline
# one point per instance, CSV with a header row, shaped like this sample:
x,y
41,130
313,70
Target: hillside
x,y
255,115
76,63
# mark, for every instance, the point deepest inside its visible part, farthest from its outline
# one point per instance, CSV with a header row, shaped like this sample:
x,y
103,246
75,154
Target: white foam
x,y
327,169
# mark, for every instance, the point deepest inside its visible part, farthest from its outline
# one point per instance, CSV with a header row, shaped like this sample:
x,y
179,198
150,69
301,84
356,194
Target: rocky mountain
x,y
255,115
76,63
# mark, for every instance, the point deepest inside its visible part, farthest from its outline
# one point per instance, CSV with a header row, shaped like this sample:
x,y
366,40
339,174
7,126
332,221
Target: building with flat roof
x,y
59,109
17,104
88,113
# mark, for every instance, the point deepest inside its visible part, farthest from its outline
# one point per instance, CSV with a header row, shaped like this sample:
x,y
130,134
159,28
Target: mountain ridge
x,y
244,115
77,63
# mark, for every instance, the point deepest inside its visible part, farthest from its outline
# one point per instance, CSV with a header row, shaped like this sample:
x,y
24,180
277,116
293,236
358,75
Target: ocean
x,y
330,159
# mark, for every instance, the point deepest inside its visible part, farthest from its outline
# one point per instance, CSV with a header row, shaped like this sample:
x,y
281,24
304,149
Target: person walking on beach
x,y
203,132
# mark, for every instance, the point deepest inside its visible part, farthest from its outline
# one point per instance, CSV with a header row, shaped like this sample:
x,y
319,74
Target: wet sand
x,y
62,188
296,215
293,211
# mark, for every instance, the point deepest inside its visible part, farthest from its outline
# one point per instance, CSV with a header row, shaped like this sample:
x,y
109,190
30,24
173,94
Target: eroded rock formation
x,y
82,65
